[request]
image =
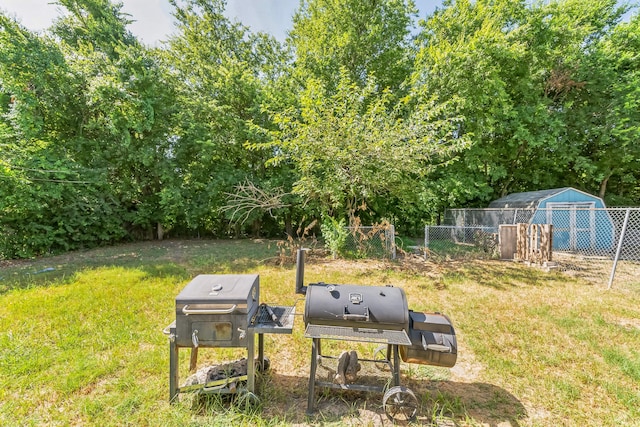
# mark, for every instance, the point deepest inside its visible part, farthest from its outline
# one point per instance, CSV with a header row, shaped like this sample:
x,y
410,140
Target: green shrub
x,y
335,235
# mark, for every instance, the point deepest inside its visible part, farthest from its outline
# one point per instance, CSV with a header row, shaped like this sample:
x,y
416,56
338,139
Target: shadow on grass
x,y
284,398
482,403
180,258
499,275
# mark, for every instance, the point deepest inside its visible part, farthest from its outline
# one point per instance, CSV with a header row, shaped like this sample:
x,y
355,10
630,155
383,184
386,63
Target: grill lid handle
x,y
187,311
349,316
435,347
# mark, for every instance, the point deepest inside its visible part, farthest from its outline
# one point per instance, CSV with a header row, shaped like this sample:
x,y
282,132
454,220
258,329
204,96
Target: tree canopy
x,y
364,111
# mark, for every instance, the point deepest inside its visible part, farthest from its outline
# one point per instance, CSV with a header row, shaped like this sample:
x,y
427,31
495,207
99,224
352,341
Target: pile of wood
x,y
532,243
210,374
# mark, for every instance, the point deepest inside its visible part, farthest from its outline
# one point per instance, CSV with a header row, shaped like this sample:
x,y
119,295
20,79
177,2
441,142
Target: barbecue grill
x,y
223,311
376,314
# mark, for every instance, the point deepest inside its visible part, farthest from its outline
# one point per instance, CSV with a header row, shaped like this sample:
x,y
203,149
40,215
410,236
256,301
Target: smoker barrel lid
x,y
356,306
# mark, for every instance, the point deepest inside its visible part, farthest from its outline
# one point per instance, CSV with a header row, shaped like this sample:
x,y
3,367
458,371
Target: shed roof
x,y
530,199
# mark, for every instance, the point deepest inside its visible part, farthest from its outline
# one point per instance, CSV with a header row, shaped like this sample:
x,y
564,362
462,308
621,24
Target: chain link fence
x,y
487,217
369,242
453,241
600,245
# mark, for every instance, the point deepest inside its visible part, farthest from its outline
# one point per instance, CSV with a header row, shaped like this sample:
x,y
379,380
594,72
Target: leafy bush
x,y
335,235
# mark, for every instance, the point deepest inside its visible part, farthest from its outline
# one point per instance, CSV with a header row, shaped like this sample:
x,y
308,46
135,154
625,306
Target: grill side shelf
x,y
273,319
382,336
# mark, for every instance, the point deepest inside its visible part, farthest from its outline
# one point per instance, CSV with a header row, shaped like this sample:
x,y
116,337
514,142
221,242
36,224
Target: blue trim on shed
x,y
571,195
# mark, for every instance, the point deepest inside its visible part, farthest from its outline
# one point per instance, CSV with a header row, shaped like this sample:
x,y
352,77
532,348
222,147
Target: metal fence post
x,y
392,231
615,260
426,241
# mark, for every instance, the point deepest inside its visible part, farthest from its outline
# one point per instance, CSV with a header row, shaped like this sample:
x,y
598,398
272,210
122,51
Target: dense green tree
x,y
350,137
365,38
355,147
100,24
127,114
220,70
86,132
604,118
48,200
507,65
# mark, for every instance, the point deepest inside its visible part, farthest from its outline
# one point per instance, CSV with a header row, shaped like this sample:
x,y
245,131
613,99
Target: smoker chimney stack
x,y
300,288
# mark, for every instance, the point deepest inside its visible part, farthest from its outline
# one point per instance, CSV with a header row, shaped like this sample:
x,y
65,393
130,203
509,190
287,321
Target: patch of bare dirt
x,y
467,368
410,264
629,323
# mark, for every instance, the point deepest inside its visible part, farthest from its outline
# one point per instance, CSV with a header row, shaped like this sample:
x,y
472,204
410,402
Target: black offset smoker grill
x,y
376,314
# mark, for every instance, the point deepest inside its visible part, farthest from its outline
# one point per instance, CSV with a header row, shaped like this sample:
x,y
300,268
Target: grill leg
x,y
251,364
396,366
315,345
173,371
193,361
261,351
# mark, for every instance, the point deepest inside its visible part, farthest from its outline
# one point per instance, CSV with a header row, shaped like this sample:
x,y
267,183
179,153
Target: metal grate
x,y
282,314
264,323
383,336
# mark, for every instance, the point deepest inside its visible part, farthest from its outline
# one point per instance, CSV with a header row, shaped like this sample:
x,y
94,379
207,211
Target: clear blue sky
x,y
153,20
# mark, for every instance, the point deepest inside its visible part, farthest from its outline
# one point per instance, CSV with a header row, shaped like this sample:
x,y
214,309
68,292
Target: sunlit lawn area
x,y
81,341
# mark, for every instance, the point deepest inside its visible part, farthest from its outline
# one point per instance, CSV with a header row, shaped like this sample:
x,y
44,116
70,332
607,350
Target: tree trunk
x,y
256,226
603,185
288,225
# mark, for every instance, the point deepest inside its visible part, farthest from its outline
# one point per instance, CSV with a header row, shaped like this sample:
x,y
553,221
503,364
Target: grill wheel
x,y
381,357
400,404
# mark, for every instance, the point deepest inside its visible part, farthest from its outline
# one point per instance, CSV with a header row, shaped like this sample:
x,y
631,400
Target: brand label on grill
x,y
355,298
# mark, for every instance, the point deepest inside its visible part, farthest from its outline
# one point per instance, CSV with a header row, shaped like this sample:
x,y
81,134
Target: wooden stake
x,y
521,244
534,248
546,242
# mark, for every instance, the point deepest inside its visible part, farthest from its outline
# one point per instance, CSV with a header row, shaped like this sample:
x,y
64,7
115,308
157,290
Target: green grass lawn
x,y
82,344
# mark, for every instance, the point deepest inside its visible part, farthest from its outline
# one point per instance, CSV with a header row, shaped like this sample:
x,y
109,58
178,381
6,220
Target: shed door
x,y
574,225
